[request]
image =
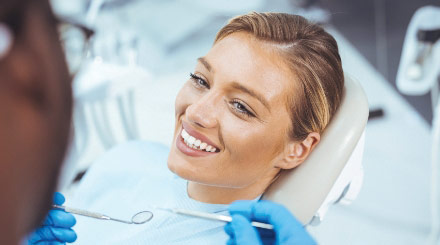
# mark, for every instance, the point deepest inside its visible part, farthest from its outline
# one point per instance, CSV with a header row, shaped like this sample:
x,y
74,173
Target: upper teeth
x,y
196,143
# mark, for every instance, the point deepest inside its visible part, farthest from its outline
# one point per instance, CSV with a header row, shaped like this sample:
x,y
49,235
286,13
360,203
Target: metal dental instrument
x,y
212,216
138,219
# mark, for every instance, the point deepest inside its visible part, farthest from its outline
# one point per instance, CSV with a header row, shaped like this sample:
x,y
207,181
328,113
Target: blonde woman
x,y
255,104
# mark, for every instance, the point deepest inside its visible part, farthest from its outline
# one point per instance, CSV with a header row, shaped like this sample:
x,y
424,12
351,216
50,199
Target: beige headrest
x,y
303,189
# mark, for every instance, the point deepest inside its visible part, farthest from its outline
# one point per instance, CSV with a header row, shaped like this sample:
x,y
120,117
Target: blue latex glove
x,y
287,230
56,228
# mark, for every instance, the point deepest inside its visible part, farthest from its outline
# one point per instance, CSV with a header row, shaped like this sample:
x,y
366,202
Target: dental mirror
x,y
142,217
138,218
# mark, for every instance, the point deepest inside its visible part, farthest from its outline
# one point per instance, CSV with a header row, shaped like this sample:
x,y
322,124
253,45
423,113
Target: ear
x,y
296,152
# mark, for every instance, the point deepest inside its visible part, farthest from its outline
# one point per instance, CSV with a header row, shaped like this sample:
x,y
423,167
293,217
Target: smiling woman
x,y
261,97
254,105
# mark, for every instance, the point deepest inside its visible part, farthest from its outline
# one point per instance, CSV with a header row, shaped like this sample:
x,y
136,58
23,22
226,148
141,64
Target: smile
x,y
195,143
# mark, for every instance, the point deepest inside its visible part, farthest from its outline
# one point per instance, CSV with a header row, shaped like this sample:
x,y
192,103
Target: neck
x,y
226,195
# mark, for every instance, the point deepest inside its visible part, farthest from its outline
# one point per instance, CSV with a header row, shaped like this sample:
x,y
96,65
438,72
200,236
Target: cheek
x,y
251,154
249,144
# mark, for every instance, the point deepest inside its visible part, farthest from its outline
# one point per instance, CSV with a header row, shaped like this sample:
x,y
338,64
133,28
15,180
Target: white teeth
x,y
194,143
184,134
191,140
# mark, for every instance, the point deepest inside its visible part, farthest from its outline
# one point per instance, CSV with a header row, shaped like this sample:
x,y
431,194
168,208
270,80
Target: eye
x,y
241,108
198,81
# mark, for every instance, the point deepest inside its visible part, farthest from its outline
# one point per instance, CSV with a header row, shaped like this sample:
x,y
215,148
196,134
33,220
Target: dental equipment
x,y
211,216
424,31
418,66
138,218
426,40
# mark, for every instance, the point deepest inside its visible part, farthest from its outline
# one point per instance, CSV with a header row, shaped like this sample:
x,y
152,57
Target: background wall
x,y
377,29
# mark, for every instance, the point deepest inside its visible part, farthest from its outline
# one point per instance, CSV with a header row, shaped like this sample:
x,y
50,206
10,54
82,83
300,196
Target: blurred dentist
x,y
35,114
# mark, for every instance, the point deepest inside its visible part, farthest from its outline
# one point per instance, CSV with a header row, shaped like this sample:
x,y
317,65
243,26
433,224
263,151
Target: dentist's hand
x,y
287,230
56,228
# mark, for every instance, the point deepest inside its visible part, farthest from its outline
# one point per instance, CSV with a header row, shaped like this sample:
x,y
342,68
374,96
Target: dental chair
x,y
333,171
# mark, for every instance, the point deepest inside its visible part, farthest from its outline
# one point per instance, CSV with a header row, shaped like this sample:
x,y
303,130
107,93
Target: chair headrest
x,y
303,189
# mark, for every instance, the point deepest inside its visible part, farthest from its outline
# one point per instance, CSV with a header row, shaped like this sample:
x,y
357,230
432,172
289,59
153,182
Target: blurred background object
x,y
130,59
419,74
377,29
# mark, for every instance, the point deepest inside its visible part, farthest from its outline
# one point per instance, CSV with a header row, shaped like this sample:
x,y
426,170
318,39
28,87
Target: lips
x,y
198,136
194,144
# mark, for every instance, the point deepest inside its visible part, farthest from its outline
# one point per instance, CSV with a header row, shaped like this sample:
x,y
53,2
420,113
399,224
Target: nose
x,y
203,112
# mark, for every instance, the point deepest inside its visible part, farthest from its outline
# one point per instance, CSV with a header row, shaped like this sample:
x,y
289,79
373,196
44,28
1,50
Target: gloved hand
x,y
56,228
287,230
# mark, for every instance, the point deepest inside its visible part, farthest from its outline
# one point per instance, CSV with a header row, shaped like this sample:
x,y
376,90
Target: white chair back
x,y
304,190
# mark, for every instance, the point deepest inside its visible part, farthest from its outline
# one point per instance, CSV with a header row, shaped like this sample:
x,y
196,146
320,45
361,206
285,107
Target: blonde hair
x,y
311,54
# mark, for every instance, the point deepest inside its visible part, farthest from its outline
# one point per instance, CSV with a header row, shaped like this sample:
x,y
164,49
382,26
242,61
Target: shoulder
x,y
122,167
132,157
133,154
134,149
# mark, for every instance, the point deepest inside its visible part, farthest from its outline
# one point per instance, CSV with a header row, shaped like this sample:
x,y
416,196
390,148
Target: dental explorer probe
x,y
211,216
139,218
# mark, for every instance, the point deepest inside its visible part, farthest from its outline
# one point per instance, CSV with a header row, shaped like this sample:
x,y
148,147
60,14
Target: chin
x,y
192,171
175,164
181,168
185,171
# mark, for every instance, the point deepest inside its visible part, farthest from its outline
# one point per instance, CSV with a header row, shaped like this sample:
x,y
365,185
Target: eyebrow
x,y
238,86
251,93
205,63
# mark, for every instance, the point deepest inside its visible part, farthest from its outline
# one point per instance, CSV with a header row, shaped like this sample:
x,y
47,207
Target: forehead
x,y
255,64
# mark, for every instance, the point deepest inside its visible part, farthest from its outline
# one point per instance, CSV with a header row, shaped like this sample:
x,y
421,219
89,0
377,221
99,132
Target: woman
x,y
255,105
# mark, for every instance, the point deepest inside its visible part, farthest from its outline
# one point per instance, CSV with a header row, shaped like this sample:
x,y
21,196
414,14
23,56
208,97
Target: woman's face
x,y
233,106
